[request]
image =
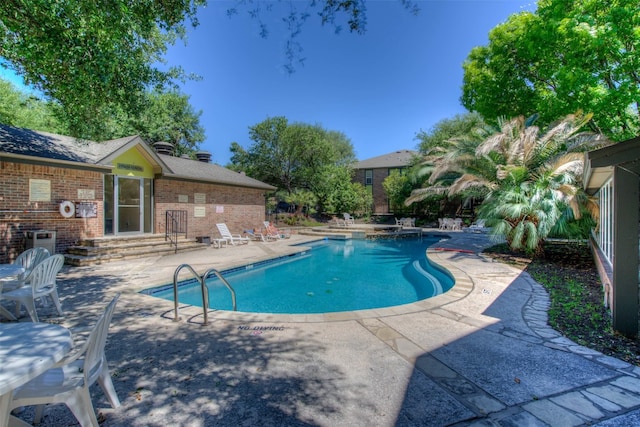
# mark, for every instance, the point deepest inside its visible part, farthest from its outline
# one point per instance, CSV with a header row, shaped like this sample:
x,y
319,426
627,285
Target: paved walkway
x,y
480,355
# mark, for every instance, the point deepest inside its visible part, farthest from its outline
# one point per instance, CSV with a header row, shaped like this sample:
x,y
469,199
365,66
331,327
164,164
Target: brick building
x,y
372,172
85,189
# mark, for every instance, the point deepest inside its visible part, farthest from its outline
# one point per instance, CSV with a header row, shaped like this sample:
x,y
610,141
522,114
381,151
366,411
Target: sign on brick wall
x,y
39,190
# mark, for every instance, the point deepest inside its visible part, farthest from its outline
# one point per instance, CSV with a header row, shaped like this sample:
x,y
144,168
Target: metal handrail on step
x,y
205,290
175,223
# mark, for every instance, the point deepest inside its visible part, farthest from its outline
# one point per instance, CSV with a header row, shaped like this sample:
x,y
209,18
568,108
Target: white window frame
x,y
605,231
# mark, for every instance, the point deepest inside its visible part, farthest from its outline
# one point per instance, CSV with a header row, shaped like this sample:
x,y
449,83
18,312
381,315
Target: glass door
x,y
130,207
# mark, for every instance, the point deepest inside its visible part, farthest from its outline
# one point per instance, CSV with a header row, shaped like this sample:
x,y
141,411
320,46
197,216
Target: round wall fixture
x,y
67,209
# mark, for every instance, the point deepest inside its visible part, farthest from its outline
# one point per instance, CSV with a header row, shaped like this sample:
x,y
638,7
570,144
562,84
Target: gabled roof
x,y
201,171
33,143
396,159
599,164
49,147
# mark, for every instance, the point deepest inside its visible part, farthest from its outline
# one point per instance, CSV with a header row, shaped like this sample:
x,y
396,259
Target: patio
x,y
481,354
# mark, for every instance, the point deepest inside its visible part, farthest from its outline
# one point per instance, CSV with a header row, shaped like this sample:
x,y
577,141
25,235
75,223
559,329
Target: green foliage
x,y
565,57
26,111
169,117
538,178
293,156
398,187
93,58
337,193
165,116
530,178
445,130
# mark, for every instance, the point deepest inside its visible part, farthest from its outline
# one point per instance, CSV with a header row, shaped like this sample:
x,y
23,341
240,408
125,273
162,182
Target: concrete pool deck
x,y
482,354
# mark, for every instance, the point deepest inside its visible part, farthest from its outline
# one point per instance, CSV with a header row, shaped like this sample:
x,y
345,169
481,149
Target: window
x,y
368,177
605,233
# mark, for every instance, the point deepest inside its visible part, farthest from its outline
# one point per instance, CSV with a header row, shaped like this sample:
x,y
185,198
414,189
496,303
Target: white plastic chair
x,y
70,380
348,219
27,260
233,239
41,283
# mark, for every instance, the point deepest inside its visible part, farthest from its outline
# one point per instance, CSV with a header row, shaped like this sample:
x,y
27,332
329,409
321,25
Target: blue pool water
x,y
334,275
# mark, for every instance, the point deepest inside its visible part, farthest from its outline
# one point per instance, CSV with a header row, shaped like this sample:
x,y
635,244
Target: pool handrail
x,y
205,276
205,290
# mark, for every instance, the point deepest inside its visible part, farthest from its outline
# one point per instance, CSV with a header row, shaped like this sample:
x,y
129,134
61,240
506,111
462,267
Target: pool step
x,y
104,250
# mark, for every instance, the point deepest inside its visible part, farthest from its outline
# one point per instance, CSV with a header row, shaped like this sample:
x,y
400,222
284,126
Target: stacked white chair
x,y
40,284
70,380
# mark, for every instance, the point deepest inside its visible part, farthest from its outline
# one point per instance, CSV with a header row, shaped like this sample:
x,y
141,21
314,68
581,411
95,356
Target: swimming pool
x,y
332,276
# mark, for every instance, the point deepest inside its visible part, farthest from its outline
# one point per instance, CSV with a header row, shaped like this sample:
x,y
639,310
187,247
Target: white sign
x,y
219,209
86,194
39,190
183,198
199,211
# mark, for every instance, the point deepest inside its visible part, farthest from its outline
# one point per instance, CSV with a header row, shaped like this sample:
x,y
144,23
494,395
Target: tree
x,y
565,57
290,156
336,192
26,111
398,187
531,177
93,58
445,130
165,116
168,116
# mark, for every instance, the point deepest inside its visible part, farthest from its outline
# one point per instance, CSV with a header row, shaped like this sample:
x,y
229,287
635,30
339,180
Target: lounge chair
x,y
230,238
339,221
275,233
478,227
259,237
348,219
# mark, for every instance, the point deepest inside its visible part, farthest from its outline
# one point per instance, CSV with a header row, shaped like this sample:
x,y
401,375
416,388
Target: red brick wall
x,y
380,200
242,208
18,214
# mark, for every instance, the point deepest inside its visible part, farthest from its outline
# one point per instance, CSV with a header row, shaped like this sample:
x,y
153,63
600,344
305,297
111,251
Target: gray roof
x,y
44,145
599,164
396,159
201,171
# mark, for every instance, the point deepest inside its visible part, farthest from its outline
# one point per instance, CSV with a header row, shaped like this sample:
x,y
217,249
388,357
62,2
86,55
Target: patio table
x,y
8,271
26,350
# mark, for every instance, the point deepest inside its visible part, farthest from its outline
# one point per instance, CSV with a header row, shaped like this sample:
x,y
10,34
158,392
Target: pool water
x,y
334,275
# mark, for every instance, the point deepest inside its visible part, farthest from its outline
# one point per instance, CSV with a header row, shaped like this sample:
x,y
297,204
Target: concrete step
x,y
104,250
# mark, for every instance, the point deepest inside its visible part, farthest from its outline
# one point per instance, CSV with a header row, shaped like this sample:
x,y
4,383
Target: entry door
x,y
130,206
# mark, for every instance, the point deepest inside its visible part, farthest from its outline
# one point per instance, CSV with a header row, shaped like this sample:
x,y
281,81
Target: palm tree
x,y
530,177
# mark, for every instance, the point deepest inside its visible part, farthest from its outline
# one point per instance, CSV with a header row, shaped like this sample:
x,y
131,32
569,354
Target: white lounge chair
x,y
40,284
478,227
274,232
70,380
259,237
348,219
230,238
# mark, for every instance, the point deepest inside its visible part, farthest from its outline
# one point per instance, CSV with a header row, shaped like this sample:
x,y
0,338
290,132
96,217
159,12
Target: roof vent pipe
x,y
162,147
203,156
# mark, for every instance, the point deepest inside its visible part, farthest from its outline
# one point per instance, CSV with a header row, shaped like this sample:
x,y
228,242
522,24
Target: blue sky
x,y
379,89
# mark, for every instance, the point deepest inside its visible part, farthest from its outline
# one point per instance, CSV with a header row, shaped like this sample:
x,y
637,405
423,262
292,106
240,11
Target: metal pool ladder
x,y
205,290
